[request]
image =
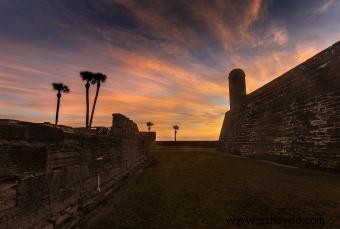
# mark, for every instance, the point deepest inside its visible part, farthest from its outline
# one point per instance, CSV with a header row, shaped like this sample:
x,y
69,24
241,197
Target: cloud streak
x,y
325,6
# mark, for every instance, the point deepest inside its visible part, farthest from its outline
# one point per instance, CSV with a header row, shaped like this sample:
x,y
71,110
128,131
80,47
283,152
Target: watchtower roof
x,y
237,73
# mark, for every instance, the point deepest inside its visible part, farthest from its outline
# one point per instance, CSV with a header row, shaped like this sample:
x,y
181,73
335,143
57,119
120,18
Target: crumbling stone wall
x,y
51,178
294,119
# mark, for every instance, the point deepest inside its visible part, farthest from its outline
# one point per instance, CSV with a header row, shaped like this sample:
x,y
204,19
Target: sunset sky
x,y
166,61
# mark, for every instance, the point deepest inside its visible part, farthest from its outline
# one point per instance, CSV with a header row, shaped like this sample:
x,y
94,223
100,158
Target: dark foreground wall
x,y
294,119
50,177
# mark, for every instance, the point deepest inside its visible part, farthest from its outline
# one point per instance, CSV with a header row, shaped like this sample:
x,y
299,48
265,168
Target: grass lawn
x,y
199,188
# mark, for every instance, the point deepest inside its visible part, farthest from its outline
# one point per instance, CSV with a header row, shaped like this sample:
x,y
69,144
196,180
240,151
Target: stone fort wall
x,y
295,119
50,177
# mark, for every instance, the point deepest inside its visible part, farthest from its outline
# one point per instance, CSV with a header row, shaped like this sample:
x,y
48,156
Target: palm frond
x,y
87,75
94,79
61,87
149,124
57,86
66,89
98,77
176,127
102,77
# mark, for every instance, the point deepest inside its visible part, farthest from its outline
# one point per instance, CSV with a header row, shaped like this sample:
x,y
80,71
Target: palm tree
x,y
88,77
176,127
59,87
97,79
149,125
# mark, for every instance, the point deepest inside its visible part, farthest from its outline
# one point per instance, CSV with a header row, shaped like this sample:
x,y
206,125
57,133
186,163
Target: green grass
x,y
199,188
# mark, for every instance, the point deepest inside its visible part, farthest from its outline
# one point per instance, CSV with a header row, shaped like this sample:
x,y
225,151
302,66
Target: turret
x,y
237,88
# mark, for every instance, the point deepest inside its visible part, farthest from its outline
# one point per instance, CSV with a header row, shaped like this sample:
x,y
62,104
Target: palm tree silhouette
x,y
60,88
97,79
88,77
175,127
149,125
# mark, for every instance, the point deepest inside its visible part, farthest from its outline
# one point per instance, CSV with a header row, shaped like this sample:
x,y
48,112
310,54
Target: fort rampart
x,y
294,119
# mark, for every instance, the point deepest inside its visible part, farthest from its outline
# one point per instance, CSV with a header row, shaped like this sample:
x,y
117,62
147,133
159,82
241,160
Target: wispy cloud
x,y
325,6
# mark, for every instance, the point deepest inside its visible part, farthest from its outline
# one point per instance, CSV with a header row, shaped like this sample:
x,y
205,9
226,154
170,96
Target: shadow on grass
x,y
200,187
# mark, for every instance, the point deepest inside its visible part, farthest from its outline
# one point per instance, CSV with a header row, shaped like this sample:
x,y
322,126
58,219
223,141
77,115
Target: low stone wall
x,y
51,178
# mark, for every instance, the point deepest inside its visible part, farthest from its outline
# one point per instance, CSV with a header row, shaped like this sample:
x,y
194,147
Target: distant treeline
x,y
188,143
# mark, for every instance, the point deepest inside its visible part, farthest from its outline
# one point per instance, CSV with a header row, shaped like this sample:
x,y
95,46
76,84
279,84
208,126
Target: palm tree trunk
x,y
175,135
149,128
57,111
87,86
94,104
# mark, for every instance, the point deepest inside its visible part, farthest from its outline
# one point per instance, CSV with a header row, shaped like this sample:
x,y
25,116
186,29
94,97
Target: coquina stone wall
x,y
51,177
295,119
